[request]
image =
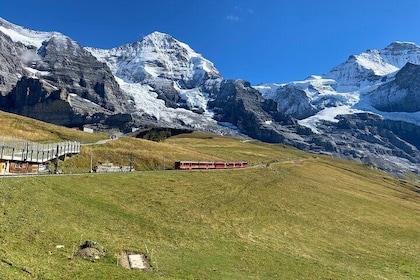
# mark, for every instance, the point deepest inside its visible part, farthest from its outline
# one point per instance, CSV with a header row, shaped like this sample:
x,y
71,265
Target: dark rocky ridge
x,y
373,140
364,137
10,64
63,83
236,102
74,69
402,94
60,83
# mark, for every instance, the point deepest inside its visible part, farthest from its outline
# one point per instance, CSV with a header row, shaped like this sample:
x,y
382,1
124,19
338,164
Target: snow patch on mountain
x,y
194,98
161,60
268,91
365,106
25,36
327,114
157,55
34,73
374,61
147,103
346,89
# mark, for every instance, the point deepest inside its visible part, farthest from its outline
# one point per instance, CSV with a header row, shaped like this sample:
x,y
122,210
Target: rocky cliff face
x,y
74,69
400,95
236,102
171,68
10,64
366,108
365,137
50,77
373,140
362,108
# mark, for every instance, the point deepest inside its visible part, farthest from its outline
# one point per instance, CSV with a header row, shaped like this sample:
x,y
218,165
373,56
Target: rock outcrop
x,y
370,139
50,77
365,109
236,102
402,94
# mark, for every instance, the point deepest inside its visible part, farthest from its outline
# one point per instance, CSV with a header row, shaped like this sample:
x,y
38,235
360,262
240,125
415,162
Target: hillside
x,y
315,219
19,127
365,108
295,216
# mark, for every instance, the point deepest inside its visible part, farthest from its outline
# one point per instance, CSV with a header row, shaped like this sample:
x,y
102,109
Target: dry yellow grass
x,y
18,127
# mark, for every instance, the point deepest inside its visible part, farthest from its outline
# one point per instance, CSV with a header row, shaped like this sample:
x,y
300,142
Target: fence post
x,y
37,151
56,159
32,152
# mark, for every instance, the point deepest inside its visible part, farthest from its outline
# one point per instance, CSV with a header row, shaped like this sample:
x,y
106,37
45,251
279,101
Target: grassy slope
x,y
294,217
149,155
18,127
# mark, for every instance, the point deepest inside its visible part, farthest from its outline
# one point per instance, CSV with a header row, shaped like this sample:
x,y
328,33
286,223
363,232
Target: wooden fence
x,y
25,151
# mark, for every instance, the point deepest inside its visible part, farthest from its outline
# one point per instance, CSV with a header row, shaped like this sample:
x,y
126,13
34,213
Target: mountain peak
x,y
158,35
399,54
368,67
24,35
159,55
161,41
398,45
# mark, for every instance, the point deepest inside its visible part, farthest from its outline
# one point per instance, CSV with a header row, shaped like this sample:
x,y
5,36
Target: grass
x,y
319,219
292,215
149,155
18,127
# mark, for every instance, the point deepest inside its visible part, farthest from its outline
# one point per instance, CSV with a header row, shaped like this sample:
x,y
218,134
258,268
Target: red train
x,y
210,164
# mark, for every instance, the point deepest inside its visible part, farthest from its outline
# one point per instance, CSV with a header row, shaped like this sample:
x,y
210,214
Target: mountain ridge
x,y
160,81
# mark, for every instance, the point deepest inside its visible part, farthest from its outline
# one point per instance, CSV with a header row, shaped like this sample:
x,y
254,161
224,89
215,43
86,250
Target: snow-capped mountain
x,y
49,76
26,36
166,78
365,109
158,55
384,83
354,86
368,68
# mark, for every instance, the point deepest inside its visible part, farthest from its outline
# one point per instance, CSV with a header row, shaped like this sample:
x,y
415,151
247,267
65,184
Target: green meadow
x,y
290,215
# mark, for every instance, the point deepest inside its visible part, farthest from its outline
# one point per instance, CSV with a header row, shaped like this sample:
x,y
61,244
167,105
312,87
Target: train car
x,y
188,165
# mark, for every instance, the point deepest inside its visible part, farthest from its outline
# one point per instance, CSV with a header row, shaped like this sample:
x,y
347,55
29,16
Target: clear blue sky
x,y
256,40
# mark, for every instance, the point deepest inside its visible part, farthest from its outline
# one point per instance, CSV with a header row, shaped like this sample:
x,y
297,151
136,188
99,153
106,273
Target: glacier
x,y
364,109
142,67
348,88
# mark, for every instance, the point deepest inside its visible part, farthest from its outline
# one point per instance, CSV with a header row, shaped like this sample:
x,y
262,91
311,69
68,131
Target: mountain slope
x,y
202,224
366,108
400,95
295,217
377,87
50,77
168,81
353,84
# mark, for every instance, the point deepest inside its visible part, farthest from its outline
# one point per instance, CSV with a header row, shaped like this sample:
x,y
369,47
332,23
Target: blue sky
x,y
256,40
